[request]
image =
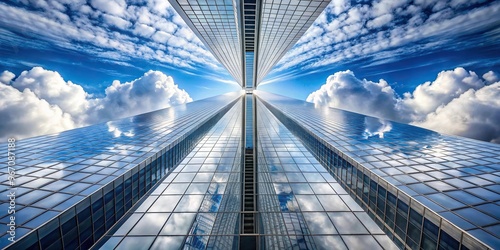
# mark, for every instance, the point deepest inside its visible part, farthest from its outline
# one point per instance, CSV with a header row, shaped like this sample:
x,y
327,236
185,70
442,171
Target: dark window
x,y
430,235
447,242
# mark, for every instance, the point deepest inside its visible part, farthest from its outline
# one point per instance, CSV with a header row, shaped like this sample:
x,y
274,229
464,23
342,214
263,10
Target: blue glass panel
x,y
408,157
430,235
447,242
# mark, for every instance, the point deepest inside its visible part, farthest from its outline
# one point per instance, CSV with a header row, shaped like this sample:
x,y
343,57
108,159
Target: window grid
x,y
282,24
300,204
216,23
166,134
396,164
199,202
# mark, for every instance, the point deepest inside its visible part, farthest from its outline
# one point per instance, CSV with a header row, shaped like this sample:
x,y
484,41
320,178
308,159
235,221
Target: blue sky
x,y
93,43
412,42
89,57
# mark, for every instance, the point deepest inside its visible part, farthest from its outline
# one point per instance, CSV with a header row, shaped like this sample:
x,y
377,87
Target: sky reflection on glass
x,y
297,201
182,210
55,172
448,174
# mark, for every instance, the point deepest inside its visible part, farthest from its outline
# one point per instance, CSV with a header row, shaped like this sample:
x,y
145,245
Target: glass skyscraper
x,y
252,170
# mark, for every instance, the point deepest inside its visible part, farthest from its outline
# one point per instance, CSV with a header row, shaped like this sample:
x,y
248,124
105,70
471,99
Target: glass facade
x,y
198,205
217,25
325,177
249,61
73,186
254,170
249,36
249,121
301,206
282,23
425,189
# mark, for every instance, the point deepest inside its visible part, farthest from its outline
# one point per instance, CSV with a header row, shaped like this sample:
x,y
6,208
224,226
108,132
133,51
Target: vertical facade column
x,y
249,227
249,17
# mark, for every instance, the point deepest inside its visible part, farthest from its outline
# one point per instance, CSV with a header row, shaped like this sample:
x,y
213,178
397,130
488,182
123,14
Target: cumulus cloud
x,y
154,90
40,101
491,76
457,102
52,88
474,114
24,114
377,96
6,77
429,96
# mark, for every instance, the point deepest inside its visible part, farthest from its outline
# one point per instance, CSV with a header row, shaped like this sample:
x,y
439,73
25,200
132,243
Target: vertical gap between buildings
x,y
248,238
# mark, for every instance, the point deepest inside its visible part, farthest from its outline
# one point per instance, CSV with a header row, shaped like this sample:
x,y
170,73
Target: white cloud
x,y
6,77
160,6
116,21
25,115
114,7
128,28
456,102
491,76
40,101
51,87
340,6
474,114
384,7
388,29
166,26
380,21
343,90
429,96
161,36
144,30
154,90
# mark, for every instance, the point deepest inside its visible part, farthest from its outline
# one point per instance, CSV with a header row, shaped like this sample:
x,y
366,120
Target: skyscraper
x,y
253,170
